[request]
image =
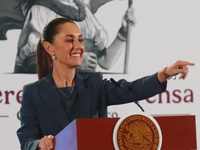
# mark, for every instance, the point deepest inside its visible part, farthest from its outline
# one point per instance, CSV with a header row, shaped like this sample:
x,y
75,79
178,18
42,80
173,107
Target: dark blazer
x,y
43,114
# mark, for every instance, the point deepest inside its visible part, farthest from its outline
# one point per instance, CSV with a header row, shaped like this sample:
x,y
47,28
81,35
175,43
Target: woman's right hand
x,y
47,143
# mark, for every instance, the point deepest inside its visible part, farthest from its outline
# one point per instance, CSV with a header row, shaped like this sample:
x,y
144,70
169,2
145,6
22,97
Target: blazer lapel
x,y
84,93
51,98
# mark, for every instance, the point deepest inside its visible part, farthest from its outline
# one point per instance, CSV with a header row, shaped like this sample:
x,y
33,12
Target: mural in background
x,y
32,15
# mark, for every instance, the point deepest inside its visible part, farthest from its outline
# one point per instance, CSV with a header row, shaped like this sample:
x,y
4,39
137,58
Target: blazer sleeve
x,y
29,132
122,91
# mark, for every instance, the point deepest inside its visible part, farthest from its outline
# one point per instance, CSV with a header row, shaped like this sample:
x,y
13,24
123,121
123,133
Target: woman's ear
x,y
49,48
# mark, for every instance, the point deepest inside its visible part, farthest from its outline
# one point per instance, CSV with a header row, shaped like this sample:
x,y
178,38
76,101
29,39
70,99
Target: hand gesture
x,y
179,67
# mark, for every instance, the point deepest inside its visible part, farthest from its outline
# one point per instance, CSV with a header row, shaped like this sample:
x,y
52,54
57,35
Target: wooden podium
x,y
178,133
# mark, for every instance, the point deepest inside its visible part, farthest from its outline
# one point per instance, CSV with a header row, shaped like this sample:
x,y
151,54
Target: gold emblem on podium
x,y
137,132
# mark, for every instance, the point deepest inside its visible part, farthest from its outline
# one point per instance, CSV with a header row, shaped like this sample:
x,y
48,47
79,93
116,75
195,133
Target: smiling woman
x,y
66,51
63,94
63,48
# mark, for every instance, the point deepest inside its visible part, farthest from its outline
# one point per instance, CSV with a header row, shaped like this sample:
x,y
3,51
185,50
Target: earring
x,y
53,57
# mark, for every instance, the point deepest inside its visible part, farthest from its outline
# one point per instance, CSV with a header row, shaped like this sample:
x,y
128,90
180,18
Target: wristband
x,y
165,73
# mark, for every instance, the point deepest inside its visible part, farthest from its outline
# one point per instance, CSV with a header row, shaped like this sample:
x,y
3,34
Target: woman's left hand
x,y
180,67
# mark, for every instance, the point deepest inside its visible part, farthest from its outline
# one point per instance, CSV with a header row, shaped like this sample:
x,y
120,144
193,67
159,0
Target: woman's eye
x,y
70,40
80,40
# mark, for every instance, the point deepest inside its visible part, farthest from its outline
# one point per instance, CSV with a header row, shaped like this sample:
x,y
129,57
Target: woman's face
x,y
68,45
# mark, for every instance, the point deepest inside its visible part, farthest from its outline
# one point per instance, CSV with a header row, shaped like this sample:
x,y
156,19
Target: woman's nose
x,y
78,44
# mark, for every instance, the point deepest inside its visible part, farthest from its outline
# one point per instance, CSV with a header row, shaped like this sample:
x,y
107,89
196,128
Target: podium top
x,y
178,132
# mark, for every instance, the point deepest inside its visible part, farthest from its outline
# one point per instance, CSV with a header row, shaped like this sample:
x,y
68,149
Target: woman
x,y
62,94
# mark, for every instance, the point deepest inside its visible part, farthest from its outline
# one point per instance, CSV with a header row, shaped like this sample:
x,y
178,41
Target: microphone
x,y
136,102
